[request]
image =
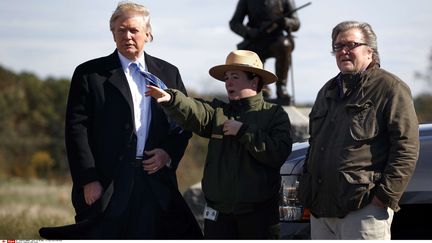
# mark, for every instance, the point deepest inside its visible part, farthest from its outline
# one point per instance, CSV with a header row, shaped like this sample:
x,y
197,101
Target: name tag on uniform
x,y
210,213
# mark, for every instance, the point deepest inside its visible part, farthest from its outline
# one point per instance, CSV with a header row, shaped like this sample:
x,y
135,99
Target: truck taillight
x,y
306,214
290,208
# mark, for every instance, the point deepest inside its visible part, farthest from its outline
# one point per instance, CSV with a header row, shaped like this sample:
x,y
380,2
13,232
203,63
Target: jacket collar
x,y
360,80
117,76
153,67
247,103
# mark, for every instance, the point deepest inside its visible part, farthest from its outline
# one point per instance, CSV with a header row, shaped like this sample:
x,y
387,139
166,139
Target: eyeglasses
x,y
348,46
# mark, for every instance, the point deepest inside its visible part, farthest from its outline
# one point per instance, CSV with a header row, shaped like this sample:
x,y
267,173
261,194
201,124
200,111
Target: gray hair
x,y
128,6
366,30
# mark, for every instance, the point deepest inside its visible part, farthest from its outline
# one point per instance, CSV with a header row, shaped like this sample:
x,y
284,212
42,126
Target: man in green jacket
x,y
249,140
364,143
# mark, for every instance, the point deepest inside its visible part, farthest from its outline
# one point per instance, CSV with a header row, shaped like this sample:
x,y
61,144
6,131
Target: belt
x,y
137,162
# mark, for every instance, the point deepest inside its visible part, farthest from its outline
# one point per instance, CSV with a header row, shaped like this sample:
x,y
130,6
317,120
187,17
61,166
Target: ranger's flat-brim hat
x,y
245,61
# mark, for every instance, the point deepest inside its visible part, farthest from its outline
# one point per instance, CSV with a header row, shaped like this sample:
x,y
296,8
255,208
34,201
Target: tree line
x,y
32,115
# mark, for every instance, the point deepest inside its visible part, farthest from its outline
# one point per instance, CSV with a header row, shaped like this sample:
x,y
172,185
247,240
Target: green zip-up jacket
x,y
363,144
241,171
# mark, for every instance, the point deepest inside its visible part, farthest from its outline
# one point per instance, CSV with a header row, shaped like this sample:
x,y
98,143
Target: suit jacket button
x,y
127,126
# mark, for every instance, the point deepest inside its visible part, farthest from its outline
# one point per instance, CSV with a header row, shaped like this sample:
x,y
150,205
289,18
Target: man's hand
x,y
159,94
231,127
92,192
158,159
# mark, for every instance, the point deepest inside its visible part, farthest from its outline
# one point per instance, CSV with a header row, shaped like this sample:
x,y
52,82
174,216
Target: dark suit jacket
x,y
101,142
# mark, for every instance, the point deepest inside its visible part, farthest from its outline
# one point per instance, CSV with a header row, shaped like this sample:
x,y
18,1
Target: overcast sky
x,y
50,38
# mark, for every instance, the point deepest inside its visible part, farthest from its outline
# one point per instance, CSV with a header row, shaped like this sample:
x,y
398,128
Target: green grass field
x,y
27,205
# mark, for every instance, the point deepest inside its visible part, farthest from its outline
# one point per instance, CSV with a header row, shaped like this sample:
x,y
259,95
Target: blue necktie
x,y
154,80
149,77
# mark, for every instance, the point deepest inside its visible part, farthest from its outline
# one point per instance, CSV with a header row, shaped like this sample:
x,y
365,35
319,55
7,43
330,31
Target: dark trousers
x,y
145,218
262,223
152,208
140,219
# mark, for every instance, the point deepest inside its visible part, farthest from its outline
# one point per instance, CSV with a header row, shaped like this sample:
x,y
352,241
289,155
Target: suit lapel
x,y
118,80
157,113
152,66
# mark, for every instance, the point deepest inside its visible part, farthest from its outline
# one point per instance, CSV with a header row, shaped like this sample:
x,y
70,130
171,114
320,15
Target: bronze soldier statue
x,y
268,33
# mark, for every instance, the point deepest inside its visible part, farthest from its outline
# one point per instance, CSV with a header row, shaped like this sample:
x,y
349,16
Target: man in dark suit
x,y
122,150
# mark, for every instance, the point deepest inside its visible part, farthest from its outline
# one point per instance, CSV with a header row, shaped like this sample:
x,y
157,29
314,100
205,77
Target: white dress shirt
x,y
141,103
